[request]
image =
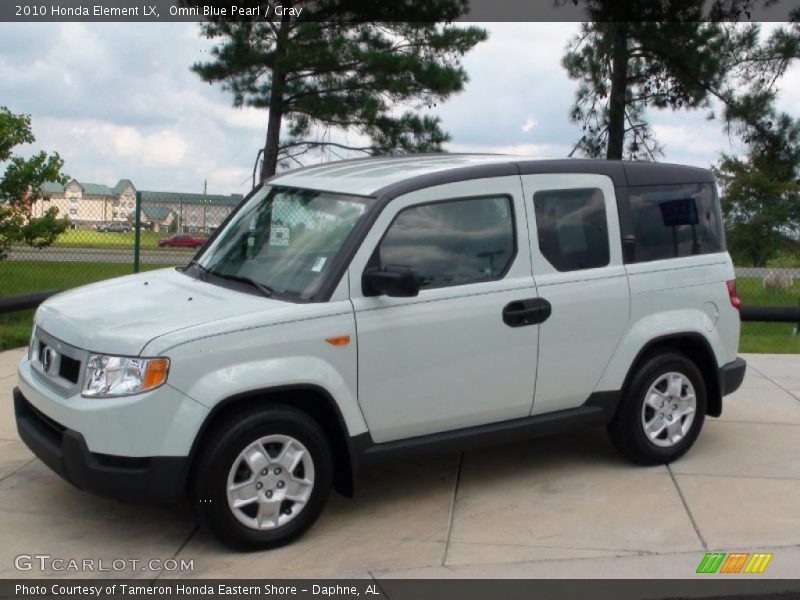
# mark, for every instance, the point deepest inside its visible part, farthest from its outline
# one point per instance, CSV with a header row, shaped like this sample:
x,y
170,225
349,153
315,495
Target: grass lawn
x,y
24,276
769,338
20,276
772,338
88,238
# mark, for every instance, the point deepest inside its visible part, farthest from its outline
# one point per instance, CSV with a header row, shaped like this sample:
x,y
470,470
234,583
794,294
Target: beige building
x,y
88,205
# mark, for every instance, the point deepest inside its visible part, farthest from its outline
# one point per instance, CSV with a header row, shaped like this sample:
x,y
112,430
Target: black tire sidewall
x,y
212,475
627,430
649,374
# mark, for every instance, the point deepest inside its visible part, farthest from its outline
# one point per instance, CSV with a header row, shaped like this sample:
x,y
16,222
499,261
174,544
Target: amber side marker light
x,y
338,340
156,373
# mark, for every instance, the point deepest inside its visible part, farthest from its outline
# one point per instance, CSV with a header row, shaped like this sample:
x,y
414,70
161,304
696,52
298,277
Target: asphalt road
x,y
167,256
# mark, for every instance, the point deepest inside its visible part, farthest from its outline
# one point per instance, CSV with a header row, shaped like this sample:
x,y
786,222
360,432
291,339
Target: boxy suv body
x,y
382,307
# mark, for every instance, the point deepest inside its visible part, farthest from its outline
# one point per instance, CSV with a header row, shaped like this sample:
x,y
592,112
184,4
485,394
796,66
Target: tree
x,y
21,185
761,193
663,54
636,55
331,72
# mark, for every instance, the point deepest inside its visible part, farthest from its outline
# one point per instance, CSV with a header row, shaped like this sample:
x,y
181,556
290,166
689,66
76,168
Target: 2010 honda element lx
x,y
374,308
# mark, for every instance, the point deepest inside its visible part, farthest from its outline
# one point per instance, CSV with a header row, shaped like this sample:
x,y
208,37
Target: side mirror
x,y
402,282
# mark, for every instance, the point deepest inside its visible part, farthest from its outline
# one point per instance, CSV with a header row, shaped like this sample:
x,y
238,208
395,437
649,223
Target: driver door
x,y
446,359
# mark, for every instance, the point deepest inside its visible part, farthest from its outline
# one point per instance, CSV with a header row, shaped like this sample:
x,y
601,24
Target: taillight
x,y
735,300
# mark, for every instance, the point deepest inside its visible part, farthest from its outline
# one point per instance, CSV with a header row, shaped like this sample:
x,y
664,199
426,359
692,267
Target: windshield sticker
x,y
279,235
319,264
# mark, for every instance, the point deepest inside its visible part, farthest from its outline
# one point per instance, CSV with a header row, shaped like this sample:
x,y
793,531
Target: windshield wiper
x,y
264,289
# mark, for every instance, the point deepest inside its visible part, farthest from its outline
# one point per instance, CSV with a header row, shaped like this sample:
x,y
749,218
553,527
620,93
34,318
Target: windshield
x,y
284,240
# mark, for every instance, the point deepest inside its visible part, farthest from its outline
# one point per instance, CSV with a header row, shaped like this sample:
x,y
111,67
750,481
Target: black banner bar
x,y
401,589
366,10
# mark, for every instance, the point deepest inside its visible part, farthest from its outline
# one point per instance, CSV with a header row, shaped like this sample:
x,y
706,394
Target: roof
x,y
121,184
366,176
98,189
52,187
89,189
397,175
158,213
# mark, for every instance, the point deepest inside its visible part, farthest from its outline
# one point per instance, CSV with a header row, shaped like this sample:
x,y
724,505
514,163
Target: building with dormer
x,y
88,205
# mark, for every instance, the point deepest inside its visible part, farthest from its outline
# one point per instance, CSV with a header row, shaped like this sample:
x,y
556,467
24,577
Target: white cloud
x,y
529,124
119,100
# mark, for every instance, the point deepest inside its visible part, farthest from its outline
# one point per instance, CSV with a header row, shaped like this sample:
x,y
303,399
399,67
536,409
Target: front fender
x,y
296,354
276,373
656,326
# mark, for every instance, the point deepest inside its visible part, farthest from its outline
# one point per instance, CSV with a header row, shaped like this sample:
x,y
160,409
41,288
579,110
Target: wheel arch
x,y
696,347
311,399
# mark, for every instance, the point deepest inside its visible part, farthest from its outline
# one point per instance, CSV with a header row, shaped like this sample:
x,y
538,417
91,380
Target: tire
x,y
653,383
214,472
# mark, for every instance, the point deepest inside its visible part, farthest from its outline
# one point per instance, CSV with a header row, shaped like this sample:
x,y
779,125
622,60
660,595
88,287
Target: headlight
x,y
108,376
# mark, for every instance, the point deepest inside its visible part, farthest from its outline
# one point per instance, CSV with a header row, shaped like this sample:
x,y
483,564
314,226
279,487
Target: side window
x,y
572,228
455,242
670,221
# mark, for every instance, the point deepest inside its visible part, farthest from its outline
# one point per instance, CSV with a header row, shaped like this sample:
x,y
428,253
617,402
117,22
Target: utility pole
x,y
205,200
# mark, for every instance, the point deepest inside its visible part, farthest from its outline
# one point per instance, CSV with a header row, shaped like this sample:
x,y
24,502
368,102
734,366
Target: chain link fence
x,y
101,242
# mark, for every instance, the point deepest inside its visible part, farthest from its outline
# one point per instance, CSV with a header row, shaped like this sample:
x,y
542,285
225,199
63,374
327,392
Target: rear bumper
x,y
150,480
731,376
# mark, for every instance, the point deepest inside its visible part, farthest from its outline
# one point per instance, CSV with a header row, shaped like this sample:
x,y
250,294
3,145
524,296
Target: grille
x,y
63,361
70,369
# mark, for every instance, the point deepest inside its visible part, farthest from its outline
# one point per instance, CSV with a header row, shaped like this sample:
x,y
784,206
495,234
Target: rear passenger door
x,y
447,359
578,268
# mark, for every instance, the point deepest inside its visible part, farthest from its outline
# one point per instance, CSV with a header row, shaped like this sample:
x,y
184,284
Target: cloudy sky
x,y
119,101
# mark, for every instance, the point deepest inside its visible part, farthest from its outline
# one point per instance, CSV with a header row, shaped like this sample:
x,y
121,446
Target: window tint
x,y
675,220
451,243
572,228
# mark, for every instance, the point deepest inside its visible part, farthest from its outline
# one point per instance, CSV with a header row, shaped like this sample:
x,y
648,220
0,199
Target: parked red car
x,y
182,240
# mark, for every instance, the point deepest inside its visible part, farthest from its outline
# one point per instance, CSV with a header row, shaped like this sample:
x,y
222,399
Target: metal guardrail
x,y
771,314
23,301
760,314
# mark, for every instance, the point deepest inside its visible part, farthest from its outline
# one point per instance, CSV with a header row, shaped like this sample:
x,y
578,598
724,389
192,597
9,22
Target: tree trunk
x,y
617,99
272,143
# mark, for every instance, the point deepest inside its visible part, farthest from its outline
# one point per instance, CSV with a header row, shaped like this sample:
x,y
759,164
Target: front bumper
x,y
731,376
157,480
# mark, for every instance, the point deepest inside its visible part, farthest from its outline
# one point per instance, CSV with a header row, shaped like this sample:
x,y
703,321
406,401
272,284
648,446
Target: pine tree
x,y
638,55
328,72
663,54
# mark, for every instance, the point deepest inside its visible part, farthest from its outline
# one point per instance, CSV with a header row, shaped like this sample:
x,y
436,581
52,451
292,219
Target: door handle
x,y
526,312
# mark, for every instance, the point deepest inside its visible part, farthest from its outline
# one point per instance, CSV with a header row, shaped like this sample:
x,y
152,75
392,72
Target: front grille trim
x,y
67,372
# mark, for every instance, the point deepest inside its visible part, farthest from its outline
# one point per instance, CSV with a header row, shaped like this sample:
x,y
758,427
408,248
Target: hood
x,y
120,316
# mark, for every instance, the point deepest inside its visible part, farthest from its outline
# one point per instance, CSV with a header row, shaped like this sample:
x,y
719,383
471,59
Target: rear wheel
x,y
263,478
662,410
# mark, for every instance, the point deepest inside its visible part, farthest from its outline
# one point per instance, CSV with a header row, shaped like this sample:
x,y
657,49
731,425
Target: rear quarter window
x,y
572,228
672,221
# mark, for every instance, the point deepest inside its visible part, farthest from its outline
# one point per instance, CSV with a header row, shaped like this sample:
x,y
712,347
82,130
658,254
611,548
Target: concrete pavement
x,y
567,507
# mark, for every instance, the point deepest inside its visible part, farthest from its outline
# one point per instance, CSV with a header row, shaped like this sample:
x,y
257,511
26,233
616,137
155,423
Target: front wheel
x,y
662,410
263,478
